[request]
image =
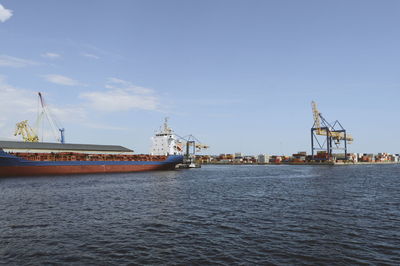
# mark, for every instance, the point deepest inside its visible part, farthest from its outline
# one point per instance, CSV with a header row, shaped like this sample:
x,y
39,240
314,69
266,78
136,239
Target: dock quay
x,y
300,158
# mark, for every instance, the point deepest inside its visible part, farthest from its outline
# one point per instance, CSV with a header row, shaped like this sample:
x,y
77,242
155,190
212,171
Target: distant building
x,y
249,159
238,155
263,158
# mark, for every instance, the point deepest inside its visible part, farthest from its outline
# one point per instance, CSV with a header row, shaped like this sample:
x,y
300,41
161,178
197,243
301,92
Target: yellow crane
x,y
317,122
327,130
26,131
326,137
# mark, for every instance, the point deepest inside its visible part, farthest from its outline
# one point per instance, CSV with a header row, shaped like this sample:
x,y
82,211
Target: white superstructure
x,y
165,142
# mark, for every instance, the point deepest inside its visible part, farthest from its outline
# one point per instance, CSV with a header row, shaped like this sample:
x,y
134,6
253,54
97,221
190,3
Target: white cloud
x,y
13,99
90,55
10,61
5,14
115,83
62,80
122,96
15,105
51,55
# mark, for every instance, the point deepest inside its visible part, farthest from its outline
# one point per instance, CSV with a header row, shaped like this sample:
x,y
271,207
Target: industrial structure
x,y
31,134
26,131
193,145
326,137
44,112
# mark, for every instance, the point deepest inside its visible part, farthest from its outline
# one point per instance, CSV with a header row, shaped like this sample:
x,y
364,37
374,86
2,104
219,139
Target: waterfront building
x,y
263,158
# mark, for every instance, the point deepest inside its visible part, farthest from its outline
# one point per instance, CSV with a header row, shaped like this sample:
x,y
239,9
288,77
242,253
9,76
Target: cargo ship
x,y
19,158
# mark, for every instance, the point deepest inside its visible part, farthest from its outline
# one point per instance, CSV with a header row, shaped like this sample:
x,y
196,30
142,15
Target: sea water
x,y
332,215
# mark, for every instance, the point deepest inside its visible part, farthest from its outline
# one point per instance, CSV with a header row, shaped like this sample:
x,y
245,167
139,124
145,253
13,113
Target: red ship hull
x,y
47,164
79,169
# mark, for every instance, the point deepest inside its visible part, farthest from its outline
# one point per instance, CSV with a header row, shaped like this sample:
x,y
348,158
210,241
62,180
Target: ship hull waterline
x,y
78,169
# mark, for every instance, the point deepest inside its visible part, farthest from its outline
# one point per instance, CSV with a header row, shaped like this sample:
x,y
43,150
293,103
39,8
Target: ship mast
x,y
167,130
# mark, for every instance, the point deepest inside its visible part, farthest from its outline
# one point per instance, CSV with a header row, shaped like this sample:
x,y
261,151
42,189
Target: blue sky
x,y
239,75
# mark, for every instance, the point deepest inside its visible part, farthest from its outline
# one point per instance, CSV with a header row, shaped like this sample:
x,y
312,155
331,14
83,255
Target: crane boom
x,y
201,146
45,112
317,122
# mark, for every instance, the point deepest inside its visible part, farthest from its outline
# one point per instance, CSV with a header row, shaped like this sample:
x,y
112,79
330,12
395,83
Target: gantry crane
x,y
335,135
195,144
27,133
